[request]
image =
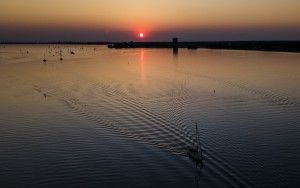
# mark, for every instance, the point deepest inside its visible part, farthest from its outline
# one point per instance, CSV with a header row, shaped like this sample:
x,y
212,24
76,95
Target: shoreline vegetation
x,y
276,46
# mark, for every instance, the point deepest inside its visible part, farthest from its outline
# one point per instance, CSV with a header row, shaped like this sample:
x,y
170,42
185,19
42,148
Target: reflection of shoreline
x,y
279,46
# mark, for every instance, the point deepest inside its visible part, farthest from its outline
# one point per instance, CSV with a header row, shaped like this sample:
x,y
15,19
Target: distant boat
x,y
44,60
61,58
195,153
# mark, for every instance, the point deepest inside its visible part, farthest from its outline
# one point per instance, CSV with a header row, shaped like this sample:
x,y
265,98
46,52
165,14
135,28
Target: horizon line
x,y
128,41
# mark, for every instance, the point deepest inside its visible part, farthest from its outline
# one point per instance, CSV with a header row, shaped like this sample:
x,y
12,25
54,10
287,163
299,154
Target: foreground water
x,y
125,118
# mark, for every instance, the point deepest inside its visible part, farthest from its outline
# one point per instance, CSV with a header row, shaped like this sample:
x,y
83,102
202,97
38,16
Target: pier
x,y
279,46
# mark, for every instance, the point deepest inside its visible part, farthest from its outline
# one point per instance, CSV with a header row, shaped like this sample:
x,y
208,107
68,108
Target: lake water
x,y
126,118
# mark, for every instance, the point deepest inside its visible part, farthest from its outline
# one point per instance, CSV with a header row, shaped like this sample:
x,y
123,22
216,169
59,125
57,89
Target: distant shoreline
x,y
276,46
73,43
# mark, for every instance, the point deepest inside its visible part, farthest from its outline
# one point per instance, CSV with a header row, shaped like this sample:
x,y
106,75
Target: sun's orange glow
x,y
106,14
148,19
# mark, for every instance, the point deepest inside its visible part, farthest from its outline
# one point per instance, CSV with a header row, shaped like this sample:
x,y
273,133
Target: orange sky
x,y
150,15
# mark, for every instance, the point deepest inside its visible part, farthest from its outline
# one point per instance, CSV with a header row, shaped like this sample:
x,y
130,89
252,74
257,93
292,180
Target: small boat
x,y
60,54
195,153
44,60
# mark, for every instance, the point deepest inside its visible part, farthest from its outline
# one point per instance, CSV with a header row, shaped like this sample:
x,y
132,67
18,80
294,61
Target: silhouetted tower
x,y
175,45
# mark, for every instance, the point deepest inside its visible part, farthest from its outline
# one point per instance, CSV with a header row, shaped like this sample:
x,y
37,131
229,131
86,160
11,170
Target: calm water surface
x,y
125,118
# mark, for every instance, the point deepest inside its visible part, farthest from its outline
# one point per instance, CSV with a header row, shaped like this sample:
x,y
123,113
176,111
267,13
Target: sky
x,y
123,20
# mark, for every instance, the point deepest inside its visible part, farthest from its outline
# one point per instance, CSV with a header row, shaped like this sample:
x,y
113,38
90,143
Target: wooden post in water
x,y
175,45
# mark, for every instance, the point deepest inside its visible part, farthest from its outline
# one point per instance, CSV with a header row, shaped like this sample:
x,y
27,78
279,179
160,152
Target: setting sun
x,y
141,35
